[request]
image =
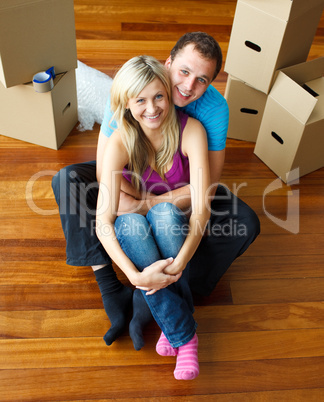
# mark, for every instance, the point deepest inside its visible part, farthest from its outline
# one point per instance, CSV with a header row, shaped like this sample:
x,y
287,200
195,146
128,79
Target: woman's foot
x,y
187,367
164,348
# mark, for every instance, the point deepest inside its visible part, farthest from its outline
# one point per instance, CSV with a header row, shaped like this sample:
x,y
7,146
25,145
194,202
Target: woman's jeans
x,y
146,239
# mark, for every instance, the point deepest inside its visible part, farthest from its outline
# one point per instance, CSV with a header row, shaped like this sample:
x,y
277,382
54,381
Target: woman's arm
x,y
114,159
101,146
194,145
126,187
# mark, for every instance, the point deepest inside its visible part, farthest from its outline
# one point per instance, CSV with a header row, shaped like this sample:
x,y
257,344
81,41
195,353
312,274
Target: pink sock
x,y
187,367
164,348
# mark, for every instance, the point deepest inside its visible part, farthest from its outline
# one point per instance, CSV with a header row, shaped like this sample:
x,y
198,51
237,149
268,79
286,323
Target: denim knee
x,y
169,226
135,238
130,225
166,211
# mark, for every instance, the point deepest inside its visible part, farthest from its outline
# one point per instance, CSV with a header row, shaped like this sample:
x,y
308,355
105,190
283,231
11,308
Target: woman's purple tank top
x,y
177,176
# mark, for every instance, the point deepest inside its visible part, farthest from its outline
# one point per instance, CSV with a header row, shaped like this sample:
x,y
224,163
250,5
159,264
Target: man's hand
x,y
154,278
130,205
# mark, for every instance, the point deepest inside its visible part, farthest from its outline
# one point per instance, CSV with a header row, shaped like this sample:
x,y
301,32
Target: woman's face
x,y
150,107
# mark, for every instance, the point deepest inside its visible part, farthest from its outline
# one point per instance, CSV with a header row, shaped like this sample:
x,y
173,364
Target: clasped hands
x,y
159,275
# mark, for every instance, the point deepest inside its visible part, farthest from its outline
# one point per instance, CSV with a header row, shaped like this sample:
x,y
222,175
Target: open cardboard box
x,y
270,35
34,36
246,106
40,118
291,135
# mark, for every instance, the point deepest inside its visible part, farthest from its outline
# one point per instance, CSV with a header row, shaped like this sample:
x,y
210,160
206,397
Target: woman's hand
x,y
175,267
154,278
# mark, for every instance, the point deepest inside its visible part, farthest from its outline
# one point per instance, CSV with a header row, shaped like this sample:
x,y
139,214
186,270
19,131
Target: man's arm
x,y
216,163
180,197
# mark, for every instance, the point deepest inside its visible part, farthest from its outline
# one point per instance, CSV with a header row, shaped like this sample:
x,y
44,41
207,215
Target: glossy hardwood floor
x,y
261,331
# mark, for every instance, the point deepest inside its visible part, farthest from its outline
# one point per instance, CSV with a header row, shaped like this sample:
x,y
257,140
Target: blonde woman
x,y
157,150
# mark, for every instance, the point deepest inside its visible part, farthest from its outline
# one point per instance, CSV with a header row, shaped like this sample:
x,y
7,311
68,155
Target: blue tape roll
x,y
43,81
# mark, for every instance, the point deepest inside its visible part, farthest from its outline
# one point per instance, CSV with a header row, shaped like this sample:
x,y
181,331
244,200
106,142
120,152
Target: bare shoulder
x,y
115,148
194,135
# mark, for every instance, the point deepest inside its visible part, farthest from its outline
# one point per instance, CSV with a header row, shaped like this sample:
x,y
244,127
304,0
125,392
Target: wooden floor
x,y
261,331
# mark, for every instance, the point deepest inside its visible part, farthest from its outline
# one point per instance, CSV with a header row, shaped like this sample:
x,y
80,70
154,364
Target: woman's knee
x,y
166,212
130,225
169,227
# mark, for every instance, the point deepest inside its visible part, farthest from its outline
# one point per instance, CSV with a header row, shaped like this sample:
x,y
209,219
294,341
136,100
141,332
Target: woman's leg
x,y
177,323
135,237
170,226
133,229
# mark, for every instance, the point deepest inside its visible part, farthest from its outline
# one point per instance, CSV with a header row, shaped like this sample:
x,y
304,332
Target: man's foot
x,y
141,317
117,301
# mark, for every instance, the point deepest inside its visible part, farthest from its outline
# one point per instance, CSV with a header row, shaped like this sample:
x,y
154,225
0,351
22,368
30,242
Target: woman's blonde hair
x,y
129,81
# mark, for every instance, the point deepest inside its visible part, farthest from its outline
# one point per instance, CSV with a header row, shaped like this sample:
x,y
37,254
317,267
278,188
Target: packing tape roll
x,y
44,80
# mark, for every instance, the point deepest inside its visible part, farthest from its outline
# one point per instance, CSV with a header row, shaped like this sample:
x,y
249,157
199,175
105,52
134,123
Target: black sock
x,y
141,317
117,301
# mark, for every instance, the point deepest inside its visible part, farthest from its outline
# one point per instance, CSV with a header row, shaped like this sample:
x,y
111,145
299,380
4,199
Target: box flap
x,y
307,71
317,87
283,9
292,97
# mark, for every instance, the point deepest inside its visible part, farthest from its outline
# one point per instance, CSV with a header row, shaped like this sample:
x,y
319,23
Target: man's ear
x,y
168,62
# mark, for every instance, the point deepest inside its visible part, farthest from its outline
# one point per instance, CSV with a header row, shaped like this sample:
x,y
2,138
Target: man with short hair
x,y
193,64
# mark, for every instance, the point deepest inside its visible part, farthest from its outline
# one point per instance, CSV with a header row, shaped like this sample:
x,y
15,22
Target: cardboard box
x,y
291,135
40,118
270,35
34,36
246,106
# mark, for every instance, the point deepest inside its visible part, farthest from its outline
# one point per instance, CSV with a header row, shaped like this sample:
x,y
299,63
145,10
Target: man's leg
x,y
76,191
117,301
233,226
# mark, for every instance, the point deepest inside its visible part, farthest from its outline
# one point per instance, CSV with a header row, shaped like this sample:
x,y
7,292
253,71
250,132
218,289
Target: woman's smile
x,y
151,106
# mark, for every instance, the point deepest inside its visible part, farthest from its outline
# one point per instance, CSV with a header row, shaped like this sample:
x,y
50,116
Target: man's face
x,y
190,75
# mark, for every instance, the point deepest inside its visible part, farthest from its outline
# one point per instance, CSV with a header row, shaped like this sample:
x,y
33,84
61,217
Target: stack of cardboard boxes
x,y
275,97
34,36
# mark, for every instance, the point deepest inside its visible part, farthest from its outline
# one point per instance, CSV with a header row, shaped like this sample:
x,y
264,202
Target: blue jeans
x,y
146,239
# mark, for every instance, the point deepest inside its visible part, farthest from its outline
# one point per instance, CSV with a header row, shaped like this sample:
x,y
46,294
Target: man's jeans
x,y
157,236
